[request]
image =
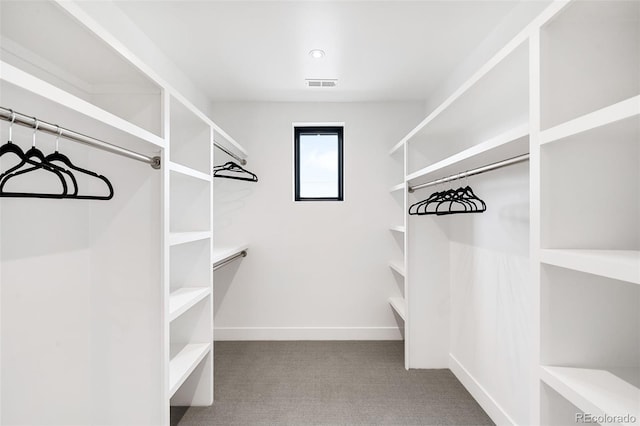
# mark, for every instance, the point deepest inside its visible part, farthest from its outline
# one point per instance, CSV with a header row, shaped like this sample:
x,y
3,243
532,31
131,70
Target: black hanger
x,y
57,156
452,201
28,157
231,170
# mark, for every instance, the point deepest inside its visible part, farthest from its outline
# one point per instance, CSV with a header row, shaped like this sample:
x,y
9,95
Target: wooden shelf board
x,y
222,253
176,238
621,265
187,171
397,266
616,112
398,304
185,359
398,228
596,392
184,299
506,145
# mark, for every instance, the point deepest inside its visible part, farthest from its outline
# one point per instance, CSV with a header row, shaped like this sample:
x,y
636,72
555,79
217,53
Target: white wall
x,y
315,270
108,15
491,330
521,15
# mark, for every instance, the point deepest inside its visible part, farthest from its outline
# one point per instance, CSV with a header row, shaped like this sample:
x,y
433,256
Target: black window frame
x,y
318,130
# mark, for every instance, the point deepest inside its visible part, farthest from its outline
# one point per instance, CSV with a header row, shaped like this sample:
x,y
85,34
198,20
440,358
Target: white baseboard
x,y
307,333
480,394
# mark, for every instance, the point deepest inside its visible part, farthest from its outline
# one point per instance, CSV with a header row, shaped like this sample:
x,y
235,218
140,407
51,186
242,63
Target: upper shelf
x,y
223,253
590,58
30,95
35,37
507,145
190,137
607,115
616,264
494,101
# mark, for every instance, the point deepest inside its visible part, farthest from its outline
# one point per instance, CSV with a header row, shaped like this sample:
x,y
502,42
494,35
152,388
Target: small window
x,y
318,163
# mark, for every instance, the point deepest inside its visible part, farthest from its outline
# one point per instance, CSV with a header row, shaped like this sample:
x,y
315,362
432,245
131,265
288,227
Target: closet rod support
x,y
228,260
53,129
493,166
226,151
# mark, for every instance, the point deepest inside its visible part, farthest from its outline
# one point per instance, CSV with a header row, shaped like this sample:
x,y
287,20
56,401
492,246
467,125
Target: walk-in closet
x,y
319,212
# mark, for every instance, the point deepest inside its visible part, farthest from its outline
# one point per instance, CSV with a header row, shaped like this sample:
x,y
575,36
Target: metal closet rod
x,y
226,151
53,129
222,263
493,166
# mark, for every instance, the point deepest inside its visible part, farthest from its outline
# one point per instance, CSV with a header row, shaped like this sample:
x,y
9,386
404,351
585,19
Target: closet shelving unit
x,y
229,244
104,277
397,264
142,262
189,255
454,138
589,258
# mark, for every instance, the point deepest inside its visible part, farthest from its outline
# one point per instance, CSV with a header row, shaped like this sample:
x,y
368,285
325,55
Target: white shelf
x,y
183,299
398,228
176,238
596,392
23,80
397,147
398,187
185,359
397,303
223,253
616,112
616,264
187,171
397,266
506,145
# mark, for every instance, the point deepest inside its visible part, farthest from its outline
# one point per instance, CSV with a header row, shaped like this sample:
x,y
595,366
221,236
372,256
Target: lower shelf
x,y
597,392
397,303
185,359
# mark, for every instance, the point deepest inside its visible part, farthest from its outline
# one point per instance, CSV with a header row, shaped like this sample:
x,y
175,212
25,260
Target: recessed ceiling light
x,y
316,53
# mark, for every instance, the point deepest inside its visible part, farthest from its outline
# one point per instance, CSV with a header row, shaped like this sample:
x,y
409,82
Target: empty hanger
x,y
29,157
57,156
231,170
452,201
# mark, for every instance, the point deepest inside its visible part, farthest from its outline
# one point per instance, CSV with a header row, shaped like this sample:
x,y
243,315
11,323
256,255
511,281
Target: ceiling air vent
x,y
321,82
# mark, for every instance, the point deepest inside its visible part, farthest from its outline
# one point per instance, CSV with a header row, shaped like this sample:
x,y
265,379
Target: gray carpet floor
x,y
328,383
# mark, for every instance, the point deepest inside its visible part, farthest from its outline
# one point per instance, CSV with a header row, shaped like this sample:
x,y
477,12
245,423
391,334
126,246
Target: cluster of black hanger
x,y
231,170
57,165
452,201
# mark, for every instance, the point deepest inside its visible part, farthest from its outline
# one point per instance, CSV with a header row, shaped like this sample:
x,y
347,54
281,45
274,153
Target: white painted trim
x,y
318,124
479,393
307,333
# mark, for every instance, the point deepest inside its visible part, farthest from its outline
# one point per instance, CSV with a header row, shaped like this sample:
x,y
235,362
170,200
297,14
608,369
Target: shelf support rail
x,y
53,129
493,166
228,260
226,151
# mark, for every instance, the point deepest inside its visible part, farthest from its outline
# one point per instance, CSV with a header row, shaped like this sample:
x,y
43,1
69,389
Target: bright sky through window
x,y
319,166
